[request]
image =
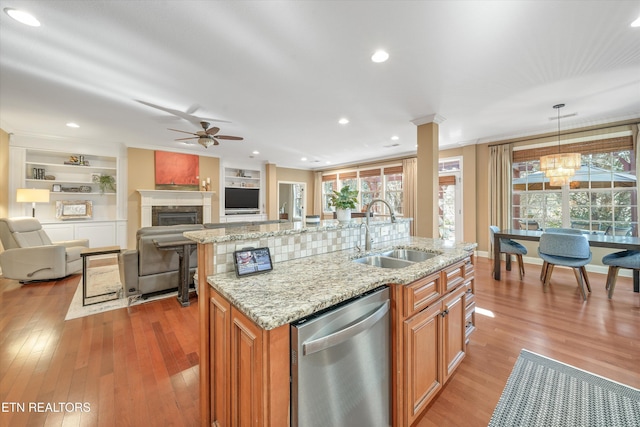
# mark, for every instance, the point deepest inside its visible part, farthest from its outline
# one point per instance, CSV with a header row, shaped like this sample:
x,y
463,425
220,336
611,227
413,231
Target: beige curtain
x,y
634,136
409,188
499,188
317,194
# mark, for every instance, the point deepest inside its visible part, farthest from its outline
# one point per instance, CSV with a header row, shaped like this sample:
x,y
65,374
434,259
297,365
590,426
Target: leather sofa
x,y
29,254
149,270
146,269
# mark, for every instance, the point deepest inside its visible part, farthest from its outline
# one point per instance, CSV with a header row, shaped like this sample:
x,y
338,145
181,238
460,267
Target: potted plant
x,y
106,182
344,200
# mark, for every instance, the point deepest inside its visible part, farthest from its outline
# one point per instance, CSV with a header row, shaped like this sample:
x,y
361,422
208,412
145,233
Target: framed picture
x,y
74,209
56,188
176,171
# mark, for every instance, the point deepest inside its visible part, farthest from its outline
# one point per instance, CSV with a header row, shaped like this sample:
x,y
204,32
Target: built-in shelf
x,y
73,182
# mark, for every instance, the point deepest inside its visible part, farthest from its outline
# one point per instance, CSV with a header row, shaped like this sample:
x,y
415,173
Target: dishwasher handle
x,y
342,335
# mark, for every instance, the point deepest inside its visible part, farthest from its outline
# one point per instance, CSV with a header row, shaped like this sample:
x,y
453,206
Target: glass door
x,y
450,199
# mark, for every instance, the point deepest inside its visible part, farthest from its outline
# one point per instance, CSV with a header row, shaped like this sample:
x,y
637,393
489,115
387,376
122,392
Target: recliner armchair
x,y
29,255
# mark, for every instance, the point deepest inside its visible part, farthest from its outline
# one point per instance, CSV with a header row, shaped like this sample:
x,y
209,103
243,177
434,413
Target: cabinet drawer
x,y
470,319
453,276
469,267
469,296
421,294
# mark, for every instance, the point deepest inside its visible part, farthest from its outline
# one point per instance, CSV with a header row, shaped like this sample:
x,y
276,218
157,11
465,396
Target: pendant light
x,y
559,168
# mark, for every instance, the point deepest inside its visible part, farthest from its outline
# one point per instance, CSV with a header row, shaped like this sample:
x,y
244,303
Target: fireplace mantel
x,y
150,198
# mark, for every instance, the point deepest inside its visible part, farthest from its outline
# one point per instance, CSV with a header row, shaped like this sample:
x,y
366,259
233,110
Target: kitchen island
x,y
244,359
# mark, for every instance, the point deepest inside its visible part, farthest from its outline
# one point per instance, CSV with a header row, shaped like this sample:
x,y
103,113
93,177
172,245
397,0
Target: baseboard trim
x,y
594,268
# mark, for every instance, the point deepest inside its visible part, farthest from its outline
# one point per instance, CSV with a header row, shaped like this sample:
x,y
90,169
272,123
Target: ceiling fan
x,y
207,136
186,115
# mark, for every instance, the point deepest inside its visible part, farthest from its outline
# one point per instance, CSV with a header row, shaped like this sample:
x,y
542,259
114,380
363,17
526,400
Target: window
x,y
375,183
329,184
601,198
370,187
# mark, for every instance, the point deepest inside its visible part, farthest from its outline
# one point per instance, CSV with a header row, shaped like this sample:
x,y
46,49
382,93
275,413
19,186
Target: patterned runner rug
x,y
544,392
102,280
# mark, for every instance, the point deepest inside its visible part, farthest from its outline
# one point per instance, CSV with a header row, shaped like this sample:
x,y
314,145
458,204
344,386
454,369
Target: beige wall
x,y
141,176
296,175
4,174
470,188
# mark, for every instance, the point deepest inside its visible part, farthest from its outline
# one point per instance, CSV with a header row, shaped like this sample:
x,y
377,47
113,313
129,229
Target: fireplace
x,y
151,199
174,215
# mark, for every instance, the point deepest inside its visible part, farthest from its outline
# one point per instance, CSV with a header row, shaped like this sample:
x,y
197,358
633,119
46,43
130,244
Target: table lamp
x,y
33,195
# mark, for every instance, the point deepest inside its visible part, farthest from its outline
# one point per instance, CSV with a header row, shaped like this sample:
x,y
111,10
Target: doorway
x,y
292,200
450,199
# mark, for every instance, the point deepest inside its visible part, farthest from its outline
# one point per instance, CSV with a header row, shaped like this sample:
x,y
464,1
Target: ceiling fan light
x,y
205,142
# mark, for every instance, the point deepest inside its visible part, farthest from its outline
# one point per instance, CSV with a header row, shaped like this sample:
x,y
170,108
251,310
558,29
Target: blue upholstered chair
x,y
568,250
557,230
616,261
509,247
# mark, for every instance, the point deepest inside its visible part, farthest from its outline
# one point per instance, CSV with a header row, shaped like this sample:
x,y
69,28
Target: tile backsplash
x,y
292,246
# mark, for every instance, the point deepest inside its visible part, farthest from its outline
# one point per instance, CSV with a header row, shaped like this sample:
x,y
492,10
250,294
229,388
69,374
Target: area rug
x,y
102,280
544,392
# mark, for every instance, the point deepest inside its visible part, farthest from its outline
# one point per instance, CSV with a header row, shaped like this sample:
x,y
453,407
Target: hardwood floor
x,y
600,336
132,367
138,366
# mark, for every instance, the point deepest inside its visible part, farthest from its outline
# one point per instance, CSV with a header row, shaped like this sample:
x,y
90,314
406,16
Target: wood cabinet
x,y
430,336
249,369
422,375
248,373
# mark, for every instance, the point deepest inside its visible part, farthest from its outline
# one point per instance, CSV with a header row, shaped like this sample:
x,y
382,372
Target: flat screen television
x,y
241,199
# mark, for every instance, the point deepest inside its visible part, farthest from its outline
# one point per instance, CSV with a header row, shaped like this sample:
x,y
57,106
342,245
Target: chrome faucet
x,y
368,240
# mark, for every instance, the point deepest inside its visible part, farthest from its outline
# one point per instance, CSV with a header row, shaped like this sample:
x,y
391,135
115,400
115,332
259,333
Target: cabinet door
x,y
220,321
453,331
422,375
246,371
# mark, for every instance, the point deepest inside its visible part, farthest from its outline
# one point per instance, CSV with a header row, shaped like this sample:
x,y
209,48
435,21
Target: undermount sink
x,y
383,261
397,258
410,255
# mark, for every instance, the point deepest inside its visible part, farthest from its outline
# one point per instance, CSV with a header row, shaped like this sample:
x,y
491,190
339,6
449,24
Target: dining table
x,y
595,240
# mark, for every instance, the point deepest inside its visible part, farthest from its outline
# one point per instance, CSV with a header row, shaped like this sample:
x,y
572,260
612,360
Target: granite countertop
x,y
300,287
220,235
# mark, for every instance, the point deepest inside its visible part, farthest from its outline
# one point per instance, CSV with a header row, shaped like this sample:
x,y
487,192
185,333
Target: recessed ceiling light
x,y
22,17
395,138
73,125
343,121
379,56
328,162
304,159
255,152
636,23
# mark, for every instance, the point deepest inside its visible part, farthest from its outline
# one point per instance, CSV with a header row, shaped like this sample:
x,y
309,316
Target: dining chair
x,y
567,250
509,247
616,261
557,230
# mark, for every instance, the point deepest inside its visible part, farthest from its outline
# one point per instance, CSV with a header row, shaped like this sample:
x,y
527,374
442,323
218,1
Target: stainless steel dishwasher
x,y
341,365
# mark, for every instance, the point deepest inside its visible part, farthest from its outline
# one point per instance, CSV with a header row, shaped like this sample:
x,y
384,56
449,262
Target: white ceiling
x,y
284,72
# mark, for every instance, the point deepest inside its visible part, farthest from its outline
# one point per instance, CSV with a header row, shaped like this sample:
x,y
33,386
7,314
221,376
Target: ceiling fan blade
x,y
213,130
183,131
184,139
235,138
186,116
